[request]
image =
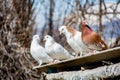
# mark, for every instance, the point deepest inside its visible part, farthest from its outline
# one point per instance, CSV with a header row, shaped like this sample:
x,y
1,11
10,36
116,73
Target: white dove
x,y
38,52
55,50
74,40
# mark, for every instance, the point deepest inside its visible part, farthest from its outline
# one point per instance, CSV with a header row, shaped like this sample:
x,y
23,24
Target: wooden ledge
x,y
99,56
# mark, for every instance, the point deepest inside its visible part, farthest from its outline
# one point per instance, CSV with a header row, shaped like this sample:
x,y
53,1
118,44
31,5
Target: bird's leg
x,y
73,54
40,62
95,51
54,61
77,54
81,54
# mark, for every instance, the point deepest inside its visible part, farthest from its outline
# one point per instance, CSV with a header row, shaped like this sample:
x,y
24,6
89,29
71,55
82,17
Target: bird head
x,y
83,23
48,38
62,29
85,27
36,37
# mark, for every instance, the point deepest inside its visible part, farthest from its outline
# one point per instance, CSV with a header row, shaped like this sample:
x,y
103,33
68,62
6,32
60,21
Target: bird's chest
x,y
34,50
73,44
70,41
49,48
51,52
92,43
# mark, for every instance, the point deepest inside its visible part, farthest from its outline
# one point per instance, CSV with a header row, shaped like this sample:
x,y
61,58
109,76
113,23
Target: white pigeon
x,y
74,40
38,52
55,50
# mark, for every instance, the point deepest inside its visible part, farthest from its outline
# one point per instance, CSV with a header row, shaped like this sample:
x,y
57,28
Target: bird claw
x,y
56,61
74,54
93,52
81,54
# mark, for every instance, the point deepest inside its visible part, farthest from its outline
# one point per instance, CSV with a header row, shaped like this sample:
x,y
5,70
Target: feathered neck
x,y
34,43
86,30
71,31
49,42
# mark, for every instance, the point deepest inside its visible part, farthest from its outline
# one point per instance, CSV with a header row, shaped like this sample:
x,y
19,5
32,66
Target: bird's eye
x,y
62,29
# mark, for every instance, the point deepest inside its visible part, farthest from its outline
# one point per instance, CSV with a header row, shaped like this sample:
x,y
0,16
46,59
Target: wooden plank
x,y
99,56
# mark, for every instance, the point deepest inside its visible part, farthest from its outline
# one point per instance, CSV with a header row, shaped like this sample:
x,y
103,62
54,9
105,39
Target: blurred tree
x,y
50,18
16,23
100,16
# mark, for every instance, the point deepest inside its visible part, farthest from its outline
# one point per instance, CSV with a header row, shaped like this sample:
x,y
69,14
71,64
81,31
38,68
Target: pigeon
x,y
55,50
74,40
92,39
38,52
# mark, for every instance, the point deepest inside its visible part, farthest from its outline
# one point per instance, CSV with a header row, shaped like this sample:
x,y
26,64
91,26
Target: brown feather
x,y
91,37
71,30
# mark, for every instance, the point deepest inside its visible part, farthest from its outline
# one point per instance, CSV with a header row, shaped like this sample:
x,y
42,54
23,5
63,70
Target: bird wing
x,y
61,52
39,53
73,44
94,41
44,55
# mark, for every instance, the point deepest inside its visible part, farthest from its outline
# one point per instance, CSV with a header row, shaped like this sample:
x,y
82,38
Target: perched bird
x,y
92,39
74,40
55,50
38,52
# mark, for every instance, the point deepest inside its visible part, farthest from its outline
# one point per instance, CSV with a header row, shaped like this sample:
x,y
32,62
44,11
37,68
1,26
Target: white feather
x,y
55,50
78,39
74,41
38,52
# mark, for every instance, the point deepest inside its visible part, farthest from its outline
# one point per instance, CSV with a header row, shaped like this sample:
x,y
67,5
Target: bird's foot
x,y
80,54
56,61
51,62
93,52
74,54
